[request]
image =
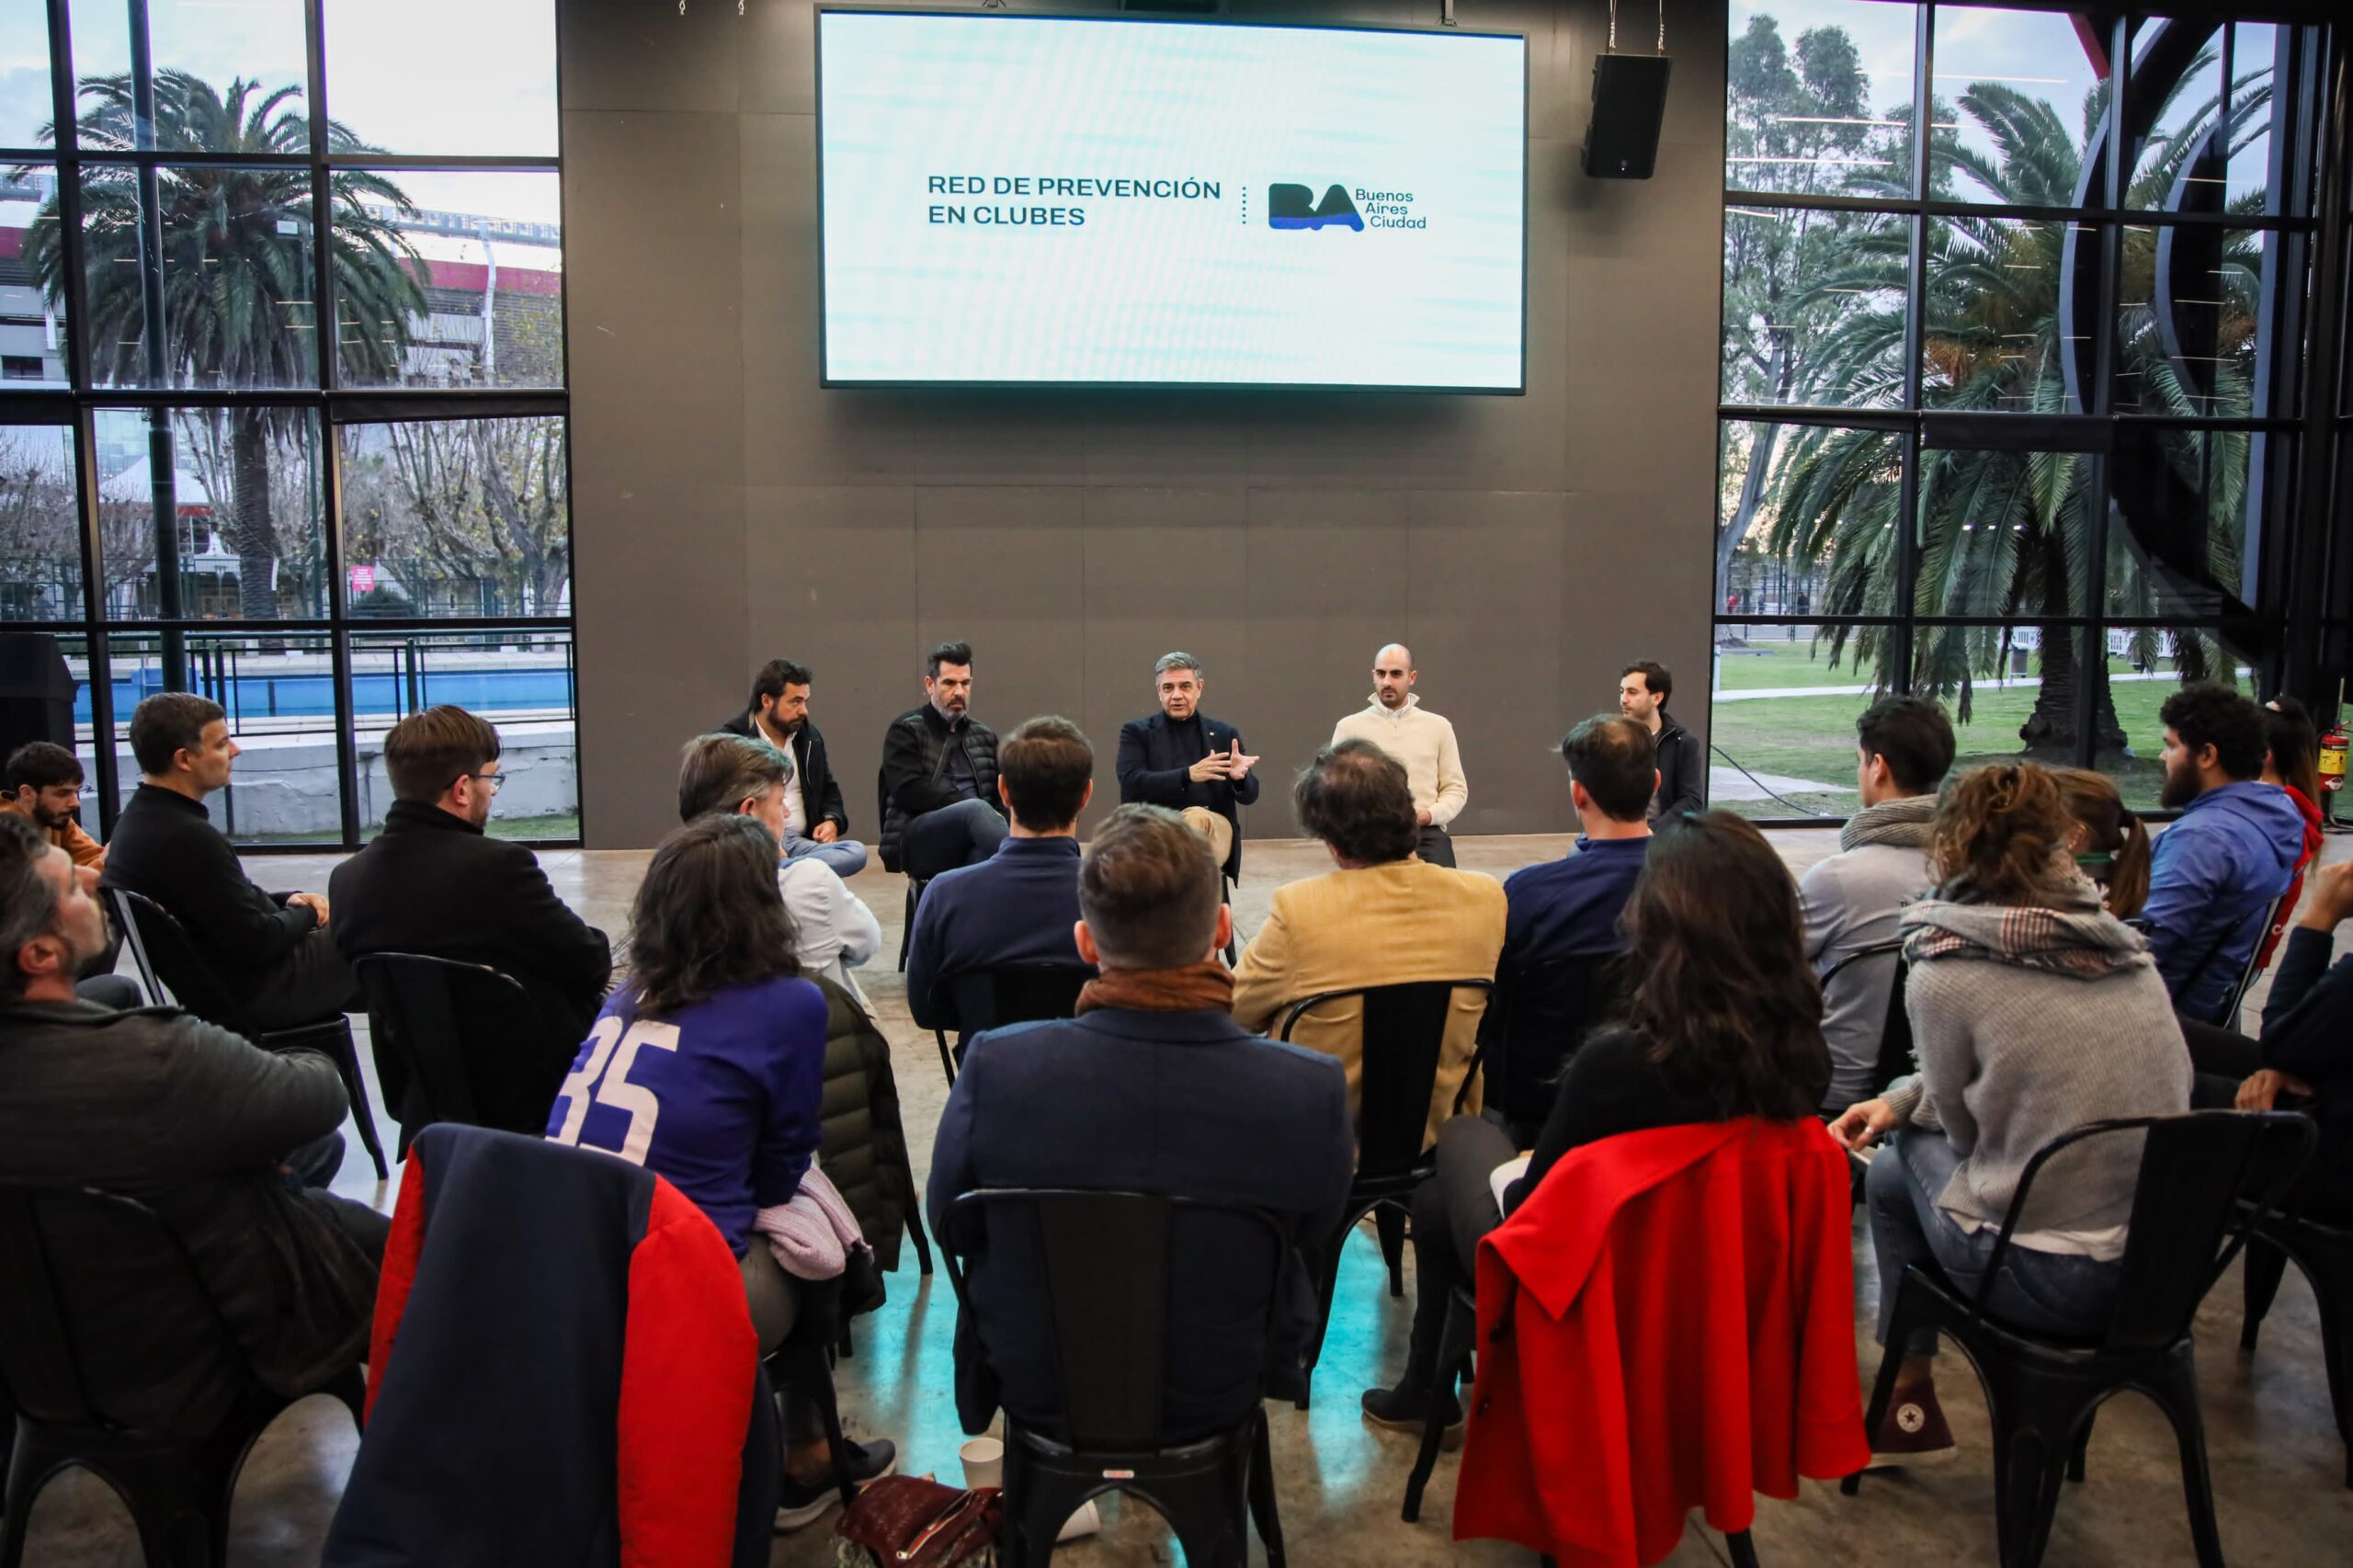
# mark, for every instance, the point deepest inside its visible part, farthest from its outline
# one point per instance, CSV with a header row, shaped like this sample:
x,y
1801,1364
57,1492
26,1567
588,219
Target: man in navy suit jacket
x,y
1189,762
1152,1088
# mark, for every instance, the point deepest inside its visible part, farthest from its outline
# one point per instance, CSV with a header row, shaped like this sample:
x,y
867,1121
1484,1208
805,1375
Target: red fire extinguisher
x,y
2333,748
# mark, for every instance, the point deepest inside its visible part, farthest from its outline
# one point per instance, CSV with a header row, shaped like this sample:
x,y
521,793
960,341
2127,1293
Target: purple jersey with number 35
x,y
721,1097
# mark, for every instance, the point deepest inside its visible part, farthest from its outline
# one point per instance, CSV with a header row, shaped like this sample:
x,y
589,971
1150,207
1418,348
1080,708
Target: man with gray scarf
x,y
1852,901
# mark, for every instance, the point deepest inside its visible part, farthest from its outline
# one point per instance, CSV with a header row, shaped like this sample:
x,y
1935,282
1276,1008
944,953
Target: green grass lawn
x,y
1813,737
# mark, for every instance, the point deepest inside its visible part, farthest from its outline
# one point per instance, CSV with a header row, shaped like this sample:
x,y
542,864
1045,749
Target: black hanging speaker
x,y
36,691
1628,108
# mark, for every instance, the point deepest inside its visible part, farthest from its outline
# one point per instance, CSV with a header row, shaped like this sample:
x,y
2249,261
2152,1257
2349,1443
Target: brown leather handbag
x,y
903,1521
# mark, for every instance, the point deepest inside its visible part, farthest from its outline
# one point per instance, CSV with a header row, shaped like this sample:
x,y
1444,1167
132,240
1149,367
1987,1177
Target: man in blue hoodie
x,y
2217,870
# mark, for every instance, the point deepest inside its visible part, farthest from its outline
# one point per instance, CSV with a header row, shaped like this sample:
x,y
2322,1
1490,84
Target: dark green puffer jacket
x,y
864,1146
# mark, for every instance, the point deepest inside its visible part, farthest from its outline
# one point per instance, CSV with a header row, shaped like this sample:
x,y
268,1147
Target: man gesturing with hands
x,y
1191,763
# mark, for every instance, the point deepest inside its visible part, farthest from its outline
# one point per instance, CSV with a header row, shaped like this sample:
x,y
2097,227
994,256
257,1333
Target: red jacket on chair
x,y
1667,1321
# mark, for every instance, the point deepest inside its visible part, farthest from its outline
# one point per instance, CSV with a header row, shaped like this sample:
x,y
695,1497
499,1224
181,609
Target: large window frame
x,y
2284,533
78,404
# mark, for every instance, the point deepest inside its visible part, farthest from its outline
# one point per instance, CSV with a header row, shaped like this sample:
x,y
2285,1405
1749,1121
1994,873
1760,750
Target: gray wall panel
x,y
727,510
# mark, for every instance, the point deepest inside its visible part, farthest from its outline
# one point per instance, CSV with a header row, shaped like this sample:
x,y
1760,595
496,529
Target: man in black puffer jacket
x,y
940,806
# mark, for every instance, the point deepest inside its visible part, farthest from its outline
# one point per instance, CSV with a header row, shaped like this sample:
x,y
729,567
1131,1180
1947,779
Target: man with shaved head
x,y
1395,721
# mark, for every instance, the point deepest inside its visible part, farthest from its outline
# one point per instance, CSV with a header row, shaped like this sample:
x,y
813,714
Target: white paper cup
x,y
1086,1521
983,1462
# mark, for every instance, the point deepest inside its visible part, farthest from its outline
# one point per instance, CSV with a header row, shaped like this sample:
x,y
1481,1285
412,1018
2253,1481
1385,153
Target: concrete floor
x,y
2279,1466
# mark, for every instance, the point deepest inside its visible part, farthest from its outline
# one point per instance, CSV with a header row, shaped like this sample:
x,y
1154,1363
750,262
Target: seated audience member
x,y
833,932
1191,763
2304,1060
433,883
44,786
270,951
1903,748
1724,1022
1151,1088
2216,870
2111,843
1643,691
816,821
1020,905
736,1071
2034,1011
1384,917
2291,762
1566,911
199,1126
940,807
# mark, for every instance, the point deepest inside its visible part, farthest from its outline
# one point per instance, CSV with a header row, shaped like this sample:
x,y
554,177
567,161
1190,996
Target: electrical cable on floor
x,y
1776,794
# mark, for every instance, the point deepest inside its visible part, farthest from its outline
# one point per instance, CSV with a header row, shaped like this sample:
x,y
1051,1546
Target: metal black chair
x,y
907,921
1404,1034
170,964
1895,1029
1103,1274
176,1483
2325,1255
805,1362
2186,1225
2229,1015
1534,1022
432,1020
1003,993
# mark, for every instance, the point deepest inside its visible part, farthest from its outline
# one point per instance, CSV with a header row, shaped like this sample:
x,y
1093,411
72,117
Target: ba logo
x,y
1294,207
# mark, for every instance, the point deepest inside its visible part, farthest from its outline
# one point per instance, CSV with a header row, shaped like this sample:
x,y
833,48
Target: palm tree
x,y
240,309
2009,535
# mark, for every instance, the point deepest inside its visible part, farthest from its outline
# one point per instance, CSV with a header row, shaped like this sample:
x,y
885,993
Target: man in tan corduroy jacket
x,y
1383,917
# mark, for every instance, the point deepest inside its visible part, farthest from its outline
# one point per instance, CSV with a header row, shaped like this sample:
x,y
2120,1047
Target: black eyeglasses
x,y
494,782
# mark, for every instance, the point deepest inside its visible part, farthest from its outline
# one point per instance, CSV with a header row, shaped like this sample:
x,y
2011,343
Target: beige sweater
x,y
1424,744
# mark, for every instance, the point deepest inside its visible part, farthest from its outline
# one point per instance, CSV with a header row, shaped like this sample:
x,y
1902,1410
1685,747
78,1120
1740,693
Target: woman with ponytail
x,y
2034,1010
2111,843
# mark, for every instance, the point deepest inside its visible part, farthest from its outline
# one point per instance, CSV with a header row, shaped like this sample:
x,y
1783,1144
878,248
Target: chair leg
x,y
2035,1422
1743,1549
30,1465
913,1197
1883,1391
2082,1447
1265,1513
2333,1294
2176,1395
947,1057
1326,1283
1038,1501
348,1064
1453,1349
1389,1223
2262,1266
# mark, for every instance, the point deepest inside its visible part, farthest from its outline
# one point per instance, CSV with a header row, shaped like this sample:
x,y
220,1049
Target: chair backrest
x,y
1895,1025
2228,1014
67,1255
1014,993
428,1017
1540,1016
168,960
2187,1220
1404,1034
1102,1264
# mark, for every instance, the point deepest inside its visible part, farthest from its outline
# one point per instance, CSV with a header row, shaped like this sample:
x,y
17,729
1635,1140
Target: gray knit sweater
x,y
2028,1023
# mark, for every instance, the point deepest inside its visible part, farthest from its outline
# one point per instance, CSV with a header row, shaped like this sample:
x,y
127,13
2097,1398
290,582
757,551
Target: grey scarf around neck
x,y
1902,822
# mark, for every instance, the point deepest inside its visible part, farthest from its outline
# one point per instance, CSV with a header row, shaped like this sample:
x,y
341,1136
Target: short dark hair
x,y
1655,676
946,653
425,753
2205,713
1355,798
167,724
1612,756
42,764
708,915
1046,765
28,899
1149,890
1913,737
718,773
771,680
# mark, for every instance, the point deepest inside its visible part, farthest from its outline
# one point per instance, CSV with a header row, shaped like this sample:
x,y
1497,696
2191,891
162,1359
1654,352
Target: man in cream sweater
x,y
1395,721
